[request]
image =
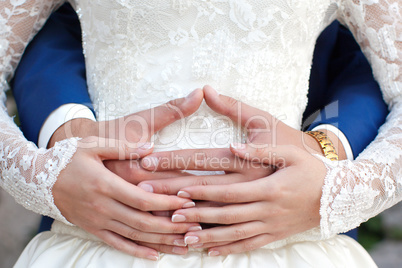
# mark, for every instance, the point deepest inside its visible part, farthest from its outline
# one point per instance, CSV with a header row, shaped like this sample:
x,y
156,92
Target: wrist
x,y
79,127
336,142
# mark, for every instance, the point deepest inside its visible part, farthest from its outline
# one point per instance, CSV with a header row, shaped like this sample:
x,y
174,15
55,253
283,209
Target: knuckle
x,y
196,217
97,207
231,107
163,239
249,246
123,147
143,225
240,234
173,109
208,237
134,235
204,181
199,158
229,197
178,228
165,188
143,204
228,218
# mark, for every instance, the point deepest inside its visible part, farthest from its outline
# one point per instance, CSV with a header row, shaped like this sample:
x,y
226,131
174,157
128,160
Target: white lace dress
x,y
142,53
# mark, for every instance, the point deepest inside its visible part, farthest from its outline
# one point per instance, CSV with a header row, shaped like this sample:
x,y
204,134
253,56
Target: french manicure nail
x,y
179,242
194,229
178,218
188,205
183,194
147,188
213,253
191,240
238,145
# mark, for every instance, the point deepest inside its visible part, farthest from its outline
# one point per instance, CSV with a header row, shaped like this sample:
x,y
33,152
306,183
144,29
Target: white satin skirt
x,y
60,248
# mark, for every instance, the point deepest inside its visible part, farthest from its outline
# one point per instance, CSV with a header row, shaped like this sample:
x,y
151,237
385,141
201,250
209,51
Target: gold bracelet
x,y
326,144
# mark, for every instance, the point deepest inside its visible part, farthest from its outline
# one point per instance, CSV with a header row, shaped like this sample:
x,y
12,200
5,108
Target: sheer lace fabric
x,y
27,173
140,54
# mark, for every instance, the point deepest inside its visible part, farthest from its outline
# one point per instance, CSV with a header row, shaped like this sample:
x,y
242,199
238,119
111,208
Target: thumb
x,y
279,156
111,149
164,115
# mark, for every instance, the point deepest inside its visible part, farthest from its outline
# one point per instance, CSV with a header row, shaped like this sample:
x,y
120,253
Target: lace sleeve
x,y
27,173
355,191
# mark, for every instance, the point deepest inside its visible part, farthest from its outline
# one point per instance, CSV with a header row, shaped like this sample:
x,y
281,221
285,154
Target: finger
x,y
229,214
242,192
166,248
279,156
245,245
137,198
140,236
221,234
163,115
192,159
247,116
146,222
115,149
173,185
128,246
131,171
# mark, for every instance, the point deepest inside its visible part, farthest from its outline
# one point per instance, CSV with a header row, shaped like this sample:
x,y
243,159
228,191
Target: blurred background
x,y
381,236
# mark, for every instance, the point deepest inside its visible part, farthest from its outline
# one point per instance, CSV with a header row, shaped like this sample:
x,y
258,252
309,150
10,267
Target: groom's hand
x,y
118,212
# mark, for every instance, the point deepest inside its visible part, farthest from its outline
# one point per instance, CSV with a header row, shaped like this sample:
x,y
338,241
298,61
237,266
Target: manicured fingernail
x,y
183,194
145,146
213,253
153,257
179,242
147,188
194,229
178,218
238,145
179,250
197,245
189,205
150,162
191,240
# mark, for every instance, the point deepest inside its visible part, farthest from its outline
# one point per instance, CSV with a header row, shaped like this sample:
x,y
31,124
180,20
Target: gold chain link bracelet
x,y
326,144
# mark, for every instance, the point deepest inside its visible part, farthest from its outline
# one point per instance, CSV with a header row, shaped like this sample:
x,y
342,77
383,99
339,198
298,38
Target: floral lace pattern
x,y
142,53
27,173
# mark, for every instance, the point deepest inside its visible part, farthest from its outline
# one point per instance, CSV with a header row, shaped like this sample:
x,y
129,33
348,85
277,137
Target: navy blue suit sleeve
x,y
343,91
51,72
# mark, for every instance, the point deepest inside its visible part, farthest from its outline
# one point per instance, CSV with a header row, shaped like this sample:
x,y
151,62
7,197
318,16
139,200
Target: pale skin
x,y
92,197
109,205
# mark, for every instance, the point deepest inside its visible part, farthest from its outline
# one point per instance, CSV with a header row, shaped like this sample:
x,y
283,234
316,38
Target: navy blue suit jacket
x,y
52,73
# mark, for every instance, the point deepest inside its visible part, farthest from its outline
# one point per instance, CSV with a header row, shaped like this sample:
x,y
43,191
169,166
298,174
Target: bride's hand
x,y
236,169
137,127
260,211
86,196
89,196
263,129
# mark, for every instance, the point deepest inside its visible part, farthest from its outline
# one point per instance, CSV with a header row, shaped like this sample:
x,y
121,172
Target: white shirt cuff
x,y
60,116
341,137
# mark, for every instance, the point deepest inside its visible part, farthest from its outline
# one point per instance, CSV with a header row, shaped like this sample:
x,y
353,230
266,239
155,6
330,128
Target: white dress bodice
x,y
140,54
143,53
